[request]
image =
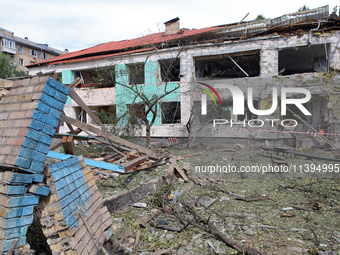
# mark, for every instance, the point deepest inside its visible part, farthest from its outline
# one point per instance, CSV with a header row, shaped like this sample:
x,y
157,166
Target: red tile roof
x,y
122,47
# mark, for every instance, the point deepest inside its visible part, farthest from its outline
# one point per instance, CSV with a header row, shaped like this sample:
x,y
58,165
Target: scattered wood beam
x,y
109,136
89,162
133,163
68,144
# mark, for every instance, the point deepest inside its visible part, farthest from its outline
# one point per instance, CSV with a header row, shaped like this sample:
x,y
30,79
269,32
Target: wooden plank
x,y
133,163
55,145
89,162
68,144
173,162
82,147
109,136
75,137
81,103
74,84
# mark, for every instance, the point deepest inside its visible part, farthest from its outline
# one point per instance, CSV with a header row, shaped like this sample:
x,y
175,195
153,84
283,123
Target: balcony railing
x,y
8,50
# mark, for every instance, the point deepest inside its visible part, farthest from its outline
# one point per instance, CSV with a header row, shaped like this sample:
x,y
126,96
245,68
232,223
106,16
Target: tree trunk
x,y
148,135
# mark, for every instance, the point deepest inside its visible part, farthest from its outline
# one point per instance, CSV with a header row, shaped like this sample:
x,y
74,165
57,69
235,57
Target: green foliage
x,y
260,17
105,77
107,115
7,67
303,8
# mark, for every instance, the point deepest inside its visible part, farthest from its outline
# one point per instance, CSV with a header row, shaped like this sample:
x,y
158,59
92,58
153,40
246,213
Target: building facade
x,y
23,51
298,50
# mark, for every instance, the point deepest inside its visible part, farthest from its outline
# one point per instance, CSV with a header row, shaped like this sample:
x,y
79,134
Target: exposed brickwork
x,y
29,117
73,192
25,137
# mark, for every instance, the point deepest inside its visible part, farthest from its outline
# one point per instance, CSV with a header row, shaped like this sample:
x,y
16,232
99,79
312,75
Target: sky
x,y
80,24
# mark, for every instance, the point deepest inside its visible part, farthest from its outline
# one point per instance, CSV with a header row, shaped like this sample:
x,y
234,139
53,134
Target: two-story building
x,y
297,50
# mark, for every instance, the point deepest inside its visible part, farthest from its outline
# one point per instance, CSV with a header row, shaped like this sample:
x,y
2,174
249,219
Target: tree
x,y
260,17
303,8
139,103
7,67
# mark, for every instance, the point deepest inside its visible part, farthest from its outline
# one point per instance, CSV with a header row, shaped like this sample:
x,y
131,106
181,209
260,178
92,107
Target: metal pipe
x,y
238,66
312,30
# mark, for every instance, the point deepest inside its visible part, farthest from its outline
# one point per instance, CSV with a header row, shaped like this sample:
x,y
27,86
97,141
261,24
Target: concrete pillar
x,y
187,74
269,62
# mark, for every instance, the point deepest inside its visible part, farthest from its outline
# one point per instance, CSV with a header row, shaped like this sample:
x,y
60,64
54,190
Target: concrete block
x,y
50,91
36,125
16,115
44,108
60,96
13,233
38,178
36,96
23,162
43,190
18,201
49,130
60,87
18,141
36,167
55,113
39,157
33,81
15,212
16,222
38,136
43,148
12,107
6,244
52,102
12,190
45,118
16,178
4,115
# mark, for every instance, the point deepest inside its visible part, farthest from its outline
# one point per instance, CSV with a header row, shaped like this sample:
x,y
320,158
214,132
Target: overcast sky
x,y
79,24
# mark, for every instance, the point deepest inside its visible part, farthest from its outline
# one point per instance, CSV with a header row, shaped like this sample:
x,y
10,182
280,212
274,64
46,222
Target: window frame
x,y
176,115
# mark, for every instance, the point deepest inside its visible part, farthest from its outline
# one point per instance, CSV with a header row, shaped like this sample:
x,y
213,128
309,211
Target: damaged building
x,y
61,195
297,50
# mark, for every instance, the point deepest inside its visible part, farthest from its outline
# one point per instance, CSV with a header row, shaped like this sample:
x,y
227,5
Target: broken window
x,y
136,73
106,113
98,78
171,112
80,114
137,113
237,65
313,58
170,69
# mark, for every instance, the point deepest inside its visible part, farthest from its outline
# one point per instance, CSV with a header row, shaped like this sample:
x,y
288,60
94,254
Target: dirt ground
x,y
273,213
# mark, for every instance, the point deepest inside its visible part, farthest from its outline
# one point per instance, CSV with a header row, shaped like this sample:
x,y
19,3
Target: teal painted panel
x,y
152,86
89,162
67,77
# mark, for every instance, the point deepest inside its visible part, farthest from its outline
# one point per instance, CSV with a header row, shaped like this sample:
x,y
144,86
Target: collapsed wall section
x,y
29,116
73,217
71,208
